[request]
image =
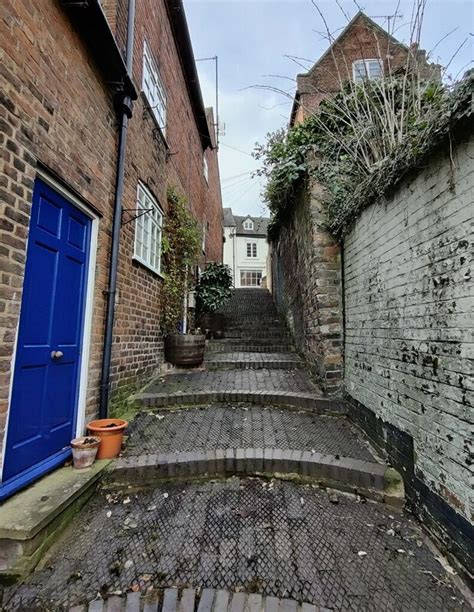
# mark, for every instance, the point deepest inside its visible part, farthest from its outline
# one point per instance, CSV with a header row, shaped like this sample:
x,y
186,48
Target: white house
x,y
245,248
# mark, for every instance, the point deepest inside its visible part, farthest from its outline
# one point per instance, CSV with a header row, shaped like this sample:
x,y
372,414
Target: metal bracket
x,y
143,211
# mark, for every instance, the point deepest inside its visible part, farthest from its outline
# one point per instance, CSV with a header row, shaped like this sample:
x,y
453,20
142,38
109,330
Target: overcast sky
x,y
252,39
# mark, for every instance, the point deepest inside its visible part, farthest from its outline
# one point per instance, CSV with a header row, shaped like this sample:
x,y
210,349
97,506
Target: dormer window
x,y
367,69
248,224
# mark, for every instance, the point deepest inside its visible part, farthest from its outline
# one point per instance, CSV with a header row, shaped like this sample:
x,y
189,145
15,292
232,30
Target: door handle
x,y
56,354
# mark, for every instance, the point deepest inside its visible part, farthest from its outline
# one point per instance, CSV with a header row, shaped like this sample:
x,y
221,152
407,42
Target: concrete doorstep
x,y
32,519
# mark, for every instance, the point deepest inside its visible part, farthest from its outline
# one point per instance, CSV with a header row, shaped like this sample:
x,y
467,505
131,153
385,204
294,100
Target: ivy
x,y
359,144
181,248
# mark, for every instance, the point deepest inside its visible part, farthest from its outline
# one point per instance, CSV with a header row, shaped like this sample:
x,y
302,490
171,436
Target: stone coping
x,y
374,480
293,399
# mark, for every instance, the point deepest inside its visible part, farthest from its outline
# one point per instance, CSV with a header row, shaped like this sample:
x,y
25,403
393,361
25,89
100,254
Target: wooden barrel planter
x,y
185,349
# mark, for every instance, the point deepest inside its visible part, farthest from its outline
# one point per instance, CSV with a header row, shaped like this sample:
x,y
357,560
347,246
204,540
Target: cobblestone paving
x,y
231,380
276,538
243,426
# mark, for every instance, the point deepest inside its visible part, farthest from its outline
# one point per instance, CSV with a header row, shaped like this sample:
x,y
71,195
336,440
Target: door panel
x,y
46,374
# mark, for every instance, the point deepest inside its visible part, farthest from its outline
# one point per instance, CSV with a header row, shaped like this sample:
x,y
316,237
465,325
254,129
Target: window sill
x,y
142,263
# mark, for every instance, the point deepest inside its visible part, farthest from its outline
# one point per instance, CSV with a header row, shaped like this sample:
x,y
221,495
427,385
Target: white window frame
x,y
252,249
252,273
248,224
204,237
153,88
205,169
366,63
148,230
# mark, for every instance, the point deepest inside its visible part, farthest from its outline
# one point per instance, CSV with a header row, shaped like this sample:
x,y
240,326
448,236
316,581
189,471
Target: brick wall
x,y
57,111
48,115
306,283
408,337
362,40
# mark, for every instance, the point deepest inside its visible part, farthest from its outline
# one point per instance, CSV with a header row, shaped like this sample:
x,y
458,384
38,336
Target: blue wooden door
x,y
46,376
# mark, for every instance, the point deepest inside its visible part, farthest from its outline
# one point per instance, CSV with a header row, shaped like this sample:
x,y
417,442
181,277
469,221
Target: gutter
x,y
179,25
89,20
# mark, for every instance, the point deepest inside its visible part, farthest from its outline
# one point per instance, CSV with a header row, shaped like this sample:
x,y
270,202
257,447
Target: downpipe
x,y
124,109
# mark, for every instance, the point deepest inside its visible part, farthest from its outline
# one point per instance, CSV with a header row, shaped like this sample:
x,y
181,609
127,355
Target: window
x,y
148,226
250,278
205,169
248,224
153,88
366,69
251,249
204,235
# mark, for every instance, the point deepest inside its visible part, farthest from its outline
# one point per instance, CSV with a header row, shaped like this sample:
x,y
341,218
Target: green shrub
x,y
214,287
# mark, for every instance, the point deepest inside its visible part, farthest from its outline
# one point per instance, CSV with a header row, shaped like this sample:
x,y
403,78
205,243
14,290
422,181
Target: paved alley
x,y
293,540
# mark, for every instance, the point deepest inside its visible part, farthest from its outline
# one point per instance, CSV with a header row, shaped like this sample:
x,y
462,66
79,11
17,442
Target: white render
x,y
409,301
245,248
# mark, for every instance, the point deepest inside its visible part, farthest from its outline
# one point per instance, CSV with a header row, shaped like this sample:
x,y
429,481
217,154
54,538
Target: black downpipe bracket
x,y
124,113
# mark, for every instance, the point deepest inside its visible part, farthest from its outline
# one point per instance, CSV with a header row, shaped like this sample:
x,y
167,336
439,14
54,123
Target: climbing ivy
x,y
358,144
181,247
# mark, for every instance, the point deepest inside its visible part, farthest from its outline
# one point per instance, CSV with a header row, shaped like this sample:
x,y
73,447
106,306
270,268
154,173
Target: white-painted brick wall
x,y
409,310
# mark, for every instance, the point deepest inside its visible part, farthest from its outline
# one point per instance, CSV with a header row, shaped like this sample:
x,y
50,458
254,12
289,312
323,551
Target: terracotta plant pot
x,y
84,451
110,432
185,349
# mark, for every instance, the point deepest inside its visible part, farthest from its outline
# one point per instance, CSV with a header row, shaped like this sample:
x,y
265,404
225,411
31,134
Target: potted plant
x,y
110,434
84,451
181,251
213,290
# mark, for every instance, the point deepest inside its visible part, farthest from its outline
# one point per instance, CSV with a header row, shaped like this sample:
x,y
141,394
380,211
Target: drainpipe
x,y
124,113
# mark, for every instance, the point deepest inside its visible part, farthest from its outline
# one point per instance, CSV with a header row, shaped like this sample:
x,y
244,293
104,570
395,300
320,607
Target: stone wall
x,y
409,300
306,283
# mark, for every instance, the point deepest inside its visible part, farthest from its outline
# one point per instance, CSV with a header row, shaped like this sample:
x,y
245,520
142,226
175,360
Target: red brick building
x,y
362,50
70,86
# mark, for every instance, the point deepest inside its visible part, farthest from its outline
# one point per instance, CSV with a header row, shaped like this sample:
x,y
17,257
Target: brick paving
x,y
274,538
243,426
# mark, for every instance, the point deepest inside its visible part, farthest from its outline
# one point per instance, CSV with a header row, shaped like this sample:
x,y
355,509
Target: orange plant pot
x,y
110,432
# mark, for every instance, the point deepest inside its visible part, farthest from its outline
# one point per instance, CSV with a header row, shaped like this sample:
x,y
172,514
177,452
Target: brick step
x,y
241,363
195,600
291,399
218,346
279,336
252,361
273,345
372,480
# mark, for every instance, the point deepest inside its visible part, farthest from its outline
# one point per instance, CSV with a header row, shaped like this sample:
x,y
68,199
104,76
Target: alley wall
x,y
409,333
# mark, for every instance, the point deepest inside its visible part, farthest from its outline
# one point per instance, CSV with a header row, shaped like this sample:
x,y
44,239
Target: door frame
x,y
45,466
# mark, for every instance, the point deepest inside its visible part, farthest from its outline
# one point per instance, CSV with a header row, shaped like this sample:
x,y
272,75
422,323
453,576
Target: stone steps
x,y
372,480
195,600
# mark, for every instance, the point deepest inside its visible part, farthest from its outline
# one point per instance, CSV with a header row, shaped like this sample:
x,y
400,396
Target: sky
x,y
257,43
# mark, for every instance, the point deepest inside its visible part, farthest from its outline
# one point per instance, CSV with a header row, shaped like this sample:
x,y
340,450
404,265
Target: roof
x,y
371,23
183,44
229,220
237,221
